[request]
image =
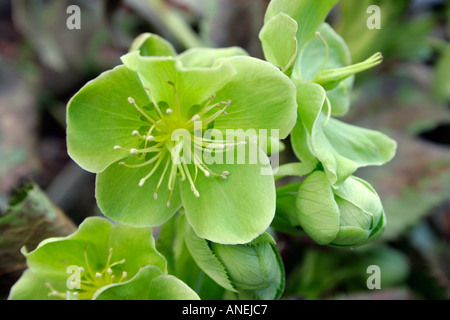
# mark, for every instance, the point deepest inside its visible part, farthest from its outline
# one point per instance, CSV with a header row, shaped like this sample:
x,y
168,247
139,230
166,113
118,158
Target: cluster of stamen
x,y
157,148
91,279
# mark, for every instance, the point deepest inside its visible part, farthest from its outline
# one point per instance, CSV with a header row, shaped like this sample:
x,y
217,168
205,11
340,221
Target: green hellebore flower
x,y
99,261
250,271
296,39
122,127
347,216
339,147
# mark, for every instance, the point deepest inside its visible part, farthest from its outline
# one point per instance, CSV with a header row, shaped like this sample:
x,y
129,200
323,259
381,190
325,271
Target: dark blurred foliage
x,y
43,63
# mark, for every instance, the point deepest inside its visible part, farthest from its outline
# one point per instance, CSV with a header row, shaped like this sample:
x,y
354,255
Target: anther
x,y
169,111
134,151
117,148
141,183
81,269
135,133
124,274
196,193
196,117
75,294
206,173
155,196
98,275
150,138
109,271
131,100
121,163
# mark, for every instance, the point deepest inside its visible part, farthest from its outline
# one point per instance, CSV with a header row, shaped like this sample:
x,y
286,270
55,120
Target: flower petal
x,y
235,210
150,44
149,284
52,257
279,41
194,85
120,197
99,117
205,57
262,97
318,213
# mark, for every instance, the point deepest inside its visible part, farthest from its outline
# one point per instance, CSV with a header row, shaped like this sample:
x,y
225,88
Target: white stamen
x,y
150,138
196,117
134,151
196,193
98,275
81,269
117,147
131,100
155,196
135,133
206,173
109,271
141,183
169,111
124,274
121,163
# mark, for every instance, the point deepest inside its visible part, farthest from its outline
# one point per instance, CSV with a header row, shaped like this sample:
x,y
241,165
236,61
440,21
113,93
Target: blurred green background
x,y
43,63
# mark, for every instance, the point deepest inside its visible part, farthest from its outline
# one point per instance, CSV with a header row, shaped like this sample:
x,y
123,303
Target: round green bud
x,y
345,216
249,266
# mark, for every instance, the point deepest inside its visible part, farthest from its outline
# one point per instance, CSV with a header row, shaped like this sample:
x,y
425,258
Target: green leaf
x,y
120,197
262,97
308,14
206,57
193,85
99,117
148,284
318,213
206,259
239,208
279,42
150,44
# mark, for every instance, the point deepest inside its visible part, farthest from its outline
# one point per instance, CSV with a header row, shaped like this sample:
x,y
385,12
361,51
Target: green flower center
x,y
156,147
91,279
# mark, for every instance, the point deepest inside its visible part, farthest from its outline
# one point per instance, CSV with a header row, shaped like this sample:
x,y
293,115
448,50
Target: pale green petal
x,y
312,60
341,148
235,210
308,14
150,44
205,57
279,41
32,287
318,213
100,117
262,97
136,246
120,197
52,257
149,284
193,85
